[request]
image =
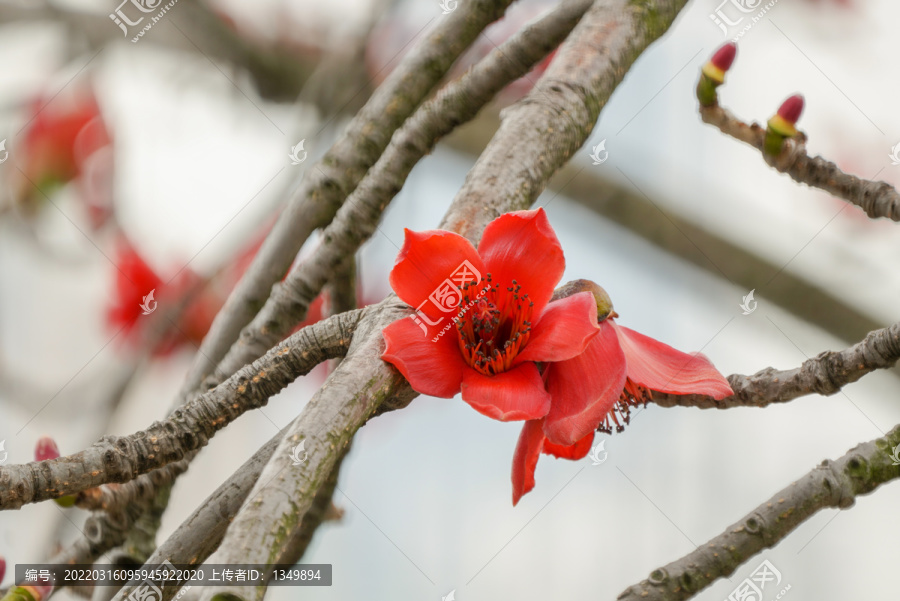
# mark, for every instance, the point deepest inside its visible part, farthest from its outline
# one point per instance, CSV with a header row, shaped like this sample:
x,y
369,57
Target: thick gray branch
x,y
189,428
200,534
358,218
540,133
284,492
824,374
877,199
328,182
831,484
585,72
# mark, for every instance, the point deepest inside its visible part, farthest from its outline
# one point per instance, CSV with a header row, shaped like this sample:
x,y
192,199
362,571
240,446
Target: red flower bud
x,y
713,73
45,449
2,568
724,56
720,62
782,124
791,108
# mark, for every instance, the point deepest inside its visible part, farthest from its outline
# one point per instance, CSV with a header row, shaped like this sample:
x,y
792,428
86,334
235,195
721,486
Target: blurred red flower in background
x,y
135,280
65,139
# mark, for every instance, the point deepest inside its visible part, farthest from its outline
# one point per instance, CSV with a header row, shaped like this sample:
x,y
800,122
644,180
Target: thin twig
x,y
123,458
831,484
826,374
877,199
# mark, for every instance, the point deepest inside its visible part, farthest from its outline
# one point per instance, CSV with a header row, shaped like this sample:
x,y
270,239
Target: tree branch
x,y
877,199
831,484
328,182
120,459
540,133
200,534
824,374
583,75
358,218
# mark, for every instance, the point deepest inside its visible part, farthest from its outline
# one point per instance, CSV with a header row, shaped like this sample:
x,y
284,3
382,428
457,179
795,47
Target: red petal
x,y
563,330
525,459
512,395
432,368
584,388
522,246
659,367
425,263
576,451
134,280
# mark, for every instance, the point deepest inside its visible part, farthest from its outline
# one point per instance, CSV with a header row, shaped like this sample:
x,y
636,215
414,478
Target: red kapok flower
x,y
66,138
619,369
138,292
63,132
135,281
484,318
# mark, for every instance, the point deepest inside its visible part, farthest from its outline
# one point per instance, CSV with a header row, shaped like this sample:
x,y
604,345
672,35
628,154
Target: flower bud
x,y
2,568
713,73
783,124
720,62
45,449
604,302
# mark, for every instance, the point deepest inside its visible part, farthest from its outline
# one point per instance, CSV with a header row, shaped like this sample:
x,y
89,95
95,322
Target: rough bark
x,y
200,534
189,428
540,133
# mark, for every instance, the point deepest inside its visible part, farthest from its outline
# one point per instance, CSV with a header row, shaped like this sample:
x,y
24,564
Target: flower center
x,y
633,395
494,324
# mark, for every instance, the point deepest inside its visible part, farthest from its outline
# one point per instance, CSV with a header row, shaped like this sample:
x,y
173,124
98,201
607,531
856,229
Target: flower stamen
x,y
633,395
494,325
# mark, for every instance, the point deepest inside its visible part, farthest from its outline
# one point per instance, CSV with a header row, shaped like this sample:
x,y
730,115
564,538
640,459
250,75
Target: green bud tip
x,y
785,120
720,62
